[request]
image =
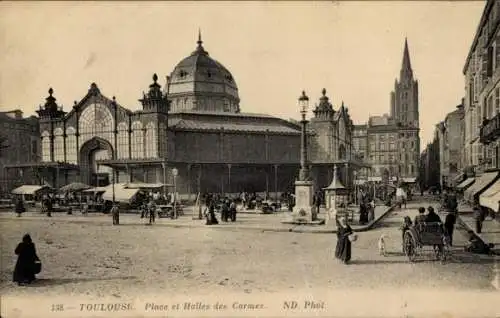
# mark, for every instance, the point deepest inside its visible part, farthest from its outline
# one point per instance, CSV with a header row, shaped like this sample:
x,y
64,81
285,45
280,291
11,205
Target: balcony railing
x,y
490,130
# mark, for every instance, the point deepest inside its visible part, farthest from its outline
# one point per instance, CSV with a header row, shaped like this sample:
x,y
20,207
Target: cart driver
x,y
420,218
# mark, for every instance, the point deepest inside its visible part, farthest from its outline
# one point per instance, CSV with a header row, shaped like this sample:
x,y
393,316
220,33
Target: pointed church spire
x,y
406,57
406,72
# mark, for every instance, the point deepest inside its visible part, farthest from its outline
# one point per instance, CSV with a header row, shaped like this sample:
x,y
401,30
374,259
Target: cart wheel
x,y
409,247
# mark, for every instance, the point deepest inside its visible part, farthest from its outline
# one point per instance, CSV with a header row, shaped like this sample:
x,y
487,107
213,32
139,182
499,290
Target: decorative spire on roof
x,y
325,109
51,109
94,90
154,99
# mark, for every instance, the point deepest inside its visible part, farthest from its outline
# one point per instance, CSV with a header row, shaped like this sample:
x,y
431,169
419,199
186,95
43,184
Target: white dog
x,y
381,244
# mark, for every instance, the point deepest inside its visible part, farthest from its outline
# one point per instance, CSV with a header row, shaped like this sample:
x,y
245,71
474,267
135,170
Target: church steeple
x,y
406,71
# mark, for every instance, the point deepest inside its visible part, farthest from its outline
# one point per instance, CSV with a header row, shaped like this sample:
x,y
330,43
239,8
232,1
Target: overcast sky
x,y
274,51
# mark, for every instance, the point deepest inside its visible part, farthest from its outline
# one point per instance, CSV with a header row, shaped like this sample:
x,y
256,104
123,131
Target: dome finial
x,y
200,42
324,91
155,77
51,91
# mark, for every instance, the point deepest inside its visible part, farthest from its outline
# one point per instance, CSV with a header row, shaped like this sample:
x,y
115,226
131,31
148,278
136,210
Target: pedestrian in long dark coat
x,y
343,248
224,211
24,272
363,213
211,218
19,207
449,225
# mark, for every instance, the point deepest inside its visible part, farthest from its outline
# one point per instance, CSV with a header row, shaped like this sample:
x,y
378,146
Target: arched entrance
x,y
91,151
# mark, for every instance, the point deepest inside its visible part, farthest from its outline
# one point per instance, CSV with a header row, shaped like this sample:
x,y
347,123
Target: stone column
x,y
267,181
199,178
189,181
56,185
276,182
229,166
164,169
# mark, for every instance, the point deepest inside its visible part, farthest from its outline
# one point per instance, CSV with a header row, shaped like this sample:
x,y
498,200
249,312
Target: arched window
x,y
58,145
122,151
162,140
137,140
151,141
71,151
96,120
45,146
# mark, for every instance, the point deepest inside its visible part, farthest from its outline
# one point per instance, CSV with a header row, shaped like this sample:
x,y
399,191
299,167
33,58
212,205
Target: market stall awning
x,y
375,179
141,185
409,180
359,182
75,186
491,196
29,189
481,183
466,183
121,194
96,189
458,178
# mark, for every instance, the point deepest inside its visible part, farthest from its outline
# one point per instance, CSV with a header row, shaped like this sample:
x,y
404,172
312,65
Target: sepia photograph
x,y
249,159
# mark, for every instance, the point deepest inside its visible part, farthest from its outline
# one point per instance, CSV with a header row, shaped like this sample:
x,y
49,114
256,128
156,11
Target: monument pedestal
x,y
303,210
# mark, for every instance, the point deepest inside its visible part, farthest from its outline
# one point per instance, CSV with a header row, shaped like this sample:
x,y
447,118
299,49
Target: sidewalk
x,y
244,221
491,228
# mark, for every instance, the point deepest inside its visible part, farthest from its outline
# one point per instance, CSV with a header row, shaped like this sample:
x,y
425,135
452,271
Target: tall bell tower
x,y
404,98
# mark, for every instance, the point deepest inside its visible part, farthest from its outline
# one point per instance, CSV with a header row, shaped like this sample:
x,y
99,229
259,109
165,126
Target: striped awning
x,y
490,198
481,183
466,183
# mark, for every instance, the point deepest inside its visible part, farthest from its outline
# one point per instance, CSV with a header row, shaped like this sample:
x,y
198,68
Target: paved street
x,y
98,259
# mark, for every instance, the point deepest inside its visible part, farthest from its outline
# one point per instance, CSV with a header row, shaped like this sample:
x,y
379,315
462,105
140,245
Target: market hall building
x,y
195,125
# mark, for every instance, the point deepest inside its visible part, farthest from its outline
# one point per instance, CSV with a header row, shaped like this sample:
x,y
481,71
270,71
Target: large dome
x,y
200,83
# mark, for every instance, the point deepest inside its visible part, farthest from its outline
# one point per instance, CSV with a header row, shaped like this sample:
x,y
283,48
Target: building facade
x,y
430,171
393,141
451,132
195,125
20,144
482,93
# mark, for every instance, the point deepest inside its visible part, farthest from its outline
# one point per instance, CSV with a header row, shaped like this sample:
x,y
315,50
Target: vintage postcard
x,y
249,159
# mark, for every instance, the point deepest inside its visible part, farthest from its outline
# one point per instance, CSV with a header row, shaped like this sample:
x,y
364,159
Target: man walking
x,y
449,225
115,213
152,211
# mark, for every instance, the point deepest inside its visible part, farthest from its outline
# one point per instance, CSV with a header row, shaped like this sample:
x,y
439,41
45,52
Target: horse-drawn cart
x,y
420,235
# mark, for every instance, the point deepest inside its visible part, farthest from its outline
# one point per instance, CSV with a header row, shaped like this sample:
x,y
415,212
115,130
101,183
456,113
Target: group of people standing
x,y
227,210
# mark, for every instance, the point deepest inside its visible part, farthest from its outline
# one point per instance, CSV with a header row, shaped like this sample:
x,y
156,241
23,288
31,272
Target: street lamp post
x,y
302,212
113,184
175,173
304,169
